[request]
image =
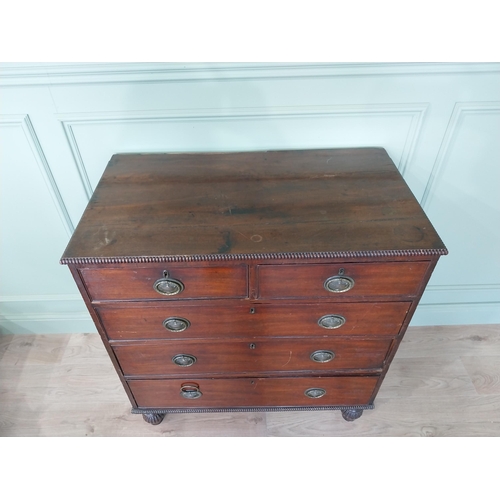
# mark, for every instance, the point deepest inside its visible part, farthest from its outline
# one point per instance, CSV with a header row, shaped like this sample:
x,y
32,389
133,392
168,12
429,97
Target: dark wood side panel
x,y
370,280
136,283
253,392
230,319
404,326
102,333
156,357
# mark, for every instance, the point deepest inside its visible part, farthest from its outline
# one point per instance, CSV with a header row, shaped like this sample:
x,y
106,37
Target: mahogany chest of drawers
x,y
279,280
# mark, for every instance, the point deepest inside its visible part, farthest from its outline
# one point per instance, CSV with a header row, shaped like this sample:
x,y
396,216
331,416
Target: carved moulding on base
x,y
155,416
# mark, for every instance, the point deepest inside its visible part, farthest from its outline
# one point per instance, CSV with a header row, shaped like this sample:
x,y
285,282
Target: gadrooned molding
x,y
415,110
460,110
65,73
256,256
249,409
24,122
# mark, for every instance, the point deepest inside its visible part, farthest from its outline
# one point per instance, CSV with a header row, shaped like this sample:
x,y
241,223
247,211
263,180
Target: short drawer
x,y
176,320
165,282
211,357
253,392
340,280
212,319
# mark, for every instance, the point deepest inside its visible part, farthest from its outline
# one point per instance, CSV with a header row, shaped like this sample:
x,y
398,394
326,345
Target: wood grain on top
x,y
333,200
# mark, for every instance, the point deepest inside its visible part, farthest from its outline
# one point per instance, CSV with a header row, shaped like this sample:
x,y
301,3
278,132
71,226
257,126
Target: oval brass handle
x,y
184,359
191,391
168,286
315,392
338,284
331,321
175,324
322,356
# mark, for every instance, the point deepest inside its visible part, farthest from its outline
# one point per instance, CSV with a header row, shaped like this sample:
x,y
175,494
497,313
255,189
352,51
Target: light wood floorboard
x,y
444,381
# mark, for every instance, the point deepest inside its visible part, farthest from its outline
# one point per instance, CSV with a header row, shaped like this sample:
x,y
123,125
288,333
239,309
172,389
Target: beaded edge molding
x,y
254,256
250,409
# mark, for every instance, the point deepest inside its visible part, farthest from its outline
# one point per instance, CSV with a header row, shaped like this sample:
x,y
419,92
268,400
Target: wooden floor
x,y
444,381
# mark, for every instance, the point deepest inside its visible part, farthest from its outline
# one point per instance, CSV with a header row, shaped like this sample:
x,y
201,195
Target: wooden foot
x,y
153,418
351,414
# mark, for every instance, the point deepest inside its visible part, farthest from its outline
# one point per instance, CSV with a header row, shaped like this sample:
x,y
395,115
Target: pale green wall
x,y
60,124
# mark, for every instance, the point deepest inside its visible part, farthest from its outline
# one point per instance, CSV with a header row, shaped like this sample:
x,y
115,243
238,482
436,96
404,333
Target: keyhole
x,y
341,271
252,346
252,310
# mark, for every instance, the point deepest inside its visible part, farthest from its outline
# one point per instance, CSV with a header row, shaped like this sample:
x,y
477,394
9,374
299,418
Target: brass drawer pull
x,y
175,324
331,321
315,392
184,360
168,286
191,391
338,284
322,356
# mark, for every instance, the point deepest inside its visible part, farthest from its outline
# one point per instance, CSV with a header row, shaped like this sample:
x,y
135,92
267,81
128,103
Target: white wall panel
x,y
61,123
463,201
37,103
94,139
35,228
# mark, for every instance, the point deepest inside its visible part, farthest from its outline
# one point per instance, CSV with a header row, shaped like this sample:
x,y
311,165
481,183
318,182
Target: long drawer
x,y
178,320
182,358
363,280
166,282
253,392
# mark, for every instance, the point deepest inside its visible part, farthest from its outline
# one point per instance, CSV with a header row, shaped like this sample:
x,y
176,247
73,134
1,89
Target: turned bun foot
x,y
351,414
153,418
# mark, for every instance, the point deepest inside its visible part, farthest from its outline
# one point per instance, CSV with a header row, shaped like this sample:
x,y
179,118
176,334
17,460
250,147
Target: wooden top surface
x,y
336,201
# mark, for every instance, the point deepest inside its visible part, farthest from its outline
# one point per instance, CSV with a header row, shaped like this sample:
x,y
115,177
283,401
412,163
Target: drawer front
x,y
329,319
137,283
176,320
252,392
182,358
365,280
